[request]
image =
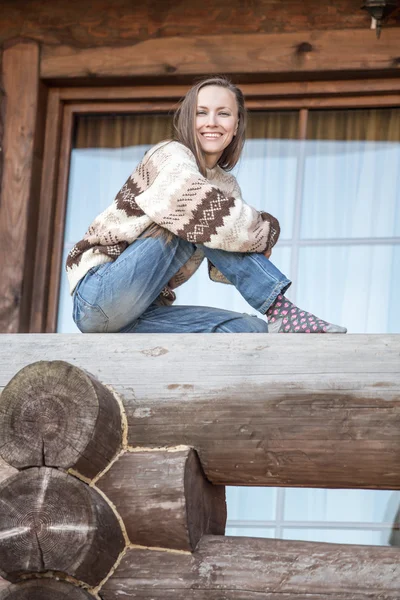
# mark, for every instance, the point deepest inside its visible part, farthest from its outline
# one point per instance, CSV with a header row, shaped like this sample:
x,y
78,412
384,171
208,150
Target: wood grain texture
x,y
44,589
258,569
2,118
164,499
316,51
51,521
264,409
46,217
124,22
6,470
21,88
53,414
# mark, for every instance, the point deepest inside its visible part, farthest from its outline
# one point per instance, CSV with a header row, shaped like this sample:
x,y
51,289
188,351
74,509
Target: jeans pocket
x,y
89,318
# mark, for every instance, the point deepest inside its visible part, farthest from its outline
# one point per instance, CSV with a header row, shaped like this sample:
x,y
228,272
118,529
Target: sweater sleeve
x,y
184,202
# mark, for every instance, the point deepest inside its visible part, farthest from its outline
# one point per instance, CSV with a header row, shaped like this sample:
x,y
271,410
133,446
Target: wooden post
x,y
22,149
44,589
257,569
53,414
54,522
164,499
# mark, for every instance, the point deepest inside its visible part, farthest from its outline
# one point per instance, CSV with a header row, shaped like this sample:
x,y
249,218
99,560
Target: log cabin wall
x,y
70,31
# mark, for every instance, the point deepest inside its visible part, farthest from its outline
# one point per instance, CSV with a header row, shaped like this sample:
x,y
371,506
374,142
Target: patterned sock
x,y
285,317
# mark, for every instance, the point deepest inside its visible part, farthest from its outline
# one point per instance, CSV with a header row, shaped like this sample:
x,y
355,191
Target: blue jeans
x,y
123,296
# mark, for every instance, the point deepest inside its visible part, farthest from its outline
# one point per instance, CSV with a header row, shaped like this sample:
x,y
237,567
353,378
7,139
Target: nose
x,y
211,120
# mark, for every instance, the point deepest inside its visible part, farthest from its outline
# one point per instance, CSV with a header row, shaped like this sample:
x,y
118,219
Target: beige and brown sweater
x,y
167,188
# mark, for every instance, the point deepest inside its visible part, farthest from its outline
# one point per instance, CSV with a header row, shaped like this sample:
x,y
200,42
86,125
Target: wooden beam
x,y
46,221
286,410
21,174
283,89
257,569
164,499
314,51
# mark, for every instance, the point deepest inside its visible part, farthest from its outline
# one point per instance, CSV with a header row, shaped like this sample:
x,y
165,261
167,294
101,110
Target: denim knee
x,y
254,324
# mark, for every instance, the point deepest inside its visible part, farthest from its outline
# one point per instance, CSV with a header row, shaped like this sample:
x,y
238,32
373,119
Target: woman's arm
x,y
181,200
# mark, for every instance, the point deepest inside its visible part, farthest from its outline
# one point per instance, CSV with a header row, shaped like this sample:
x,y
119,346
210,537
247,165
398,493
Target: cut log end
x,y
54,522
44,589
54,414
205,502
164,498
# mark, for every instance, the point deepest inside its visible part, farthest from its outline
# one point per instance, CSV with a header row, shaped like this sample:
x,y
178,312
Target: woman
x,y
179,206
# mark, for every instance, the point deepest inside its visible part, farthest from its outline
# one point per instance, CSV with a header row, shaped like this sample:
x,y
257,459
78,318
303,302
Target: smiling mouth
x,y
212,136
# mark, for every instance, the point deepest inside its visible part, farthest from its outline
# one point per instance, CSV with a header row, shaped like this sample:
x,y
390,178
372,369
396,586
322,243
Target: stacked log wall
x,y
249,392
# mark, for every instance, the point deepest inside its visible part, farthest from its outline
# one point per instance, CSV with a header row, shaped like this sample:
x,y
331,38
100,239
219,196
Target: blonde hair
x,y
185,124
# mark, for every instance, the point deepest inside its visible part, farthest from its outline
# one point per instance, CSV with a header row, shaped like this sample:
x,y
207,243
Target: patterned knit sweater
x,y
167,189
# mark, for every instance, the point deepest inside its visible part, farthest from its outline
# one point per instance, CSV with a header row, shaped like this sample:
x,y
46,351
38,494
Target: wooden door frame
x,y
66,103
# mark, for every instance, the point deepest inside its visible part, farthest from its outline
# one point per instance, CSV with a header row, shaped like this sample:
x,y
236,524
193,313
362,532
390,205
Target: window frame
x,y
65,104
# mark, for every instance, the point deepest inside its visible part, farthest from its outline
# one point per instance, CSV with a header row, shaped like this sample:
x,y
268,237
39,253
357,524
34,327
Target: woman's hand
x,y
267,253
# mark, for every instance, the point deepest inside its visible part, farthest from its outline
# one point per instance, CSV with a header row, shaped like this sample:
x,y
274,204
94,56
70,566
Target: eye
x,y
225,114
201,112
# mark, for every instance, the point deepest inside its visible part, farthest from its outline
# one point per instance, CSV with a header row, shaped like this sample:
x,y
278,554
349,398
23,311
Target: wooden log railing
x,y
318,411
163,423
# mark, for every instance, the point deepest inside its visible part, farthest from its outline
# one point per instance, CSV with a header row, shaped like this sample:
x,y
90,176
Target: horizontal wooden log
x,y
244,568
323,51
51,521
164,498
258,569
125,22
53,414
44,589
262,409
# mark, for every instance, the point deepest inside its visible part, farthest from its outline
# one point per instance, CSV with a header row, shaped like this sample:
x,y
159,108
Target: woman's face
x,y
216,121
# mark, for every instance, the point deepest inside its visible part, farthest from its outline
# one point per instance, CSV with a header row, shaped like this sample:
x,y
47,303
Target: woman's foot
x,y
285,317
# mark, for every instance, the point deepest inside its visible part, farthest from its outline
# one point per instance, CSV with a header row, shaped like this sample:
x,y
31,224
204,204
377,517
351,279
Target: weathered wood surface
x,y
44,589
51,521
265,53
258,569
6,470
262,409
21,171
54,414
3,584
125,22
164,499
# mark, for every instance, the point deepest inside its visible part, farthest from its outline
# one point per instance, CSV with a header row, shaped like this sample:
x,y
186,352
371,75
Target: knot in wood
x,y
304,47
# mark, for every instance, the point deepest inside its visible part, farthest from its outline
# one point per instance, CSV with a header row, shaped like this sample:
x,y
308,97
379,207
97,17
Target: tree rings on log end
x,y
51,521
44,589
54,414
164,498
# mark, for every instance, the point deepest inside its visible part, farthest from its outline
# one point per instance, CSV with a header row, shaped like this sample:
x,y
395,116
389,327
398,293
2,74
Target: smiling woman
x,y
217,120
179,206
